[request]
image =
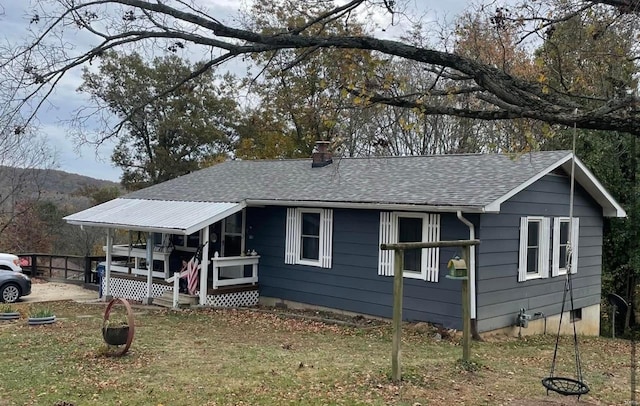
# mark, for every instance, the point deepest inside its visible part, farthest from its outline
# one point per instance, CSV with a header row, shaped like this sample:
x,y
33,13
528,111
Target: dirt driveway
x,y
42,291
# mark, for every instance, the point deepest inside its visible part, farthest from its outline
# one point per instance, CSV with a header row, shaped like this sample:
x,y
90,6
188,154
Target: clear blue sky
x,y
87,160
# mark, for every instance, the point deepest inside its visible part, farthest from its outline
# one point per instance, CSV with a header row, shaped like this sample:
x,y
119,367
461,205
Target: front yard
x,y
250,357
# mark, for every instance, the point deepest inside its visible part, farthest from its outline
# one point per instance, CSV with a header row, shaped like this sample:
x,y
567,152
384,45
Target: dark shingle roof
x,y
470,180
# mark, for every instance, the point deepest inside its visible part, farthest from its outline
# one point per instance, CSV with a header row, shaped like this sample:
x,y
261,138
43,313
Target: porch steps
x,y
184,300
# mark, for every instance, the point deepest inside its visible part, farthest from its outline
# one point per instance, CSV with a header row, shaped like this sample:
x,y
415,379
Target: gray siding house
x,y
307,232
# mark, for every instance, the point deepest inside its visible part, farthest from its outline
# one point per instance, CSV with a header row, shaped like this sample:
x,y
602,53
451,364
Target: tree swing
x,y
563,385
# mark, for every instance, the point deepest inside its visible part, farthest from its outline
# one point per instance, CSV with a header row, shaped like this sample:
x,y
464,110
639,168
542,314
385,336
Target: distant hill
x,y
55,181
48,184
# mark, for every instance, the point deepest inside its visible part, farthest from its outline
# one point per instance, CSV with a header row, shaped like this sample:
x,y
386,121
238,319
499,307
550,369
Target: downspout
x,y
472,275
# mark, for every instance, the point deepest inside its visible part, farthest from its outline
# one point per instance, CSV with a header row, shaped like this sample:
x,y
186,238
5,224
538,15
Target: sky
x,y
53,119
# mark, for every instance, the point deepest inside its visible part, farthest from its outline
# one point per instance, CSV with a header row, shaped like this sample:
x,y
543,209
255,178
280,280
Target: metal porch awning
x,y
160,216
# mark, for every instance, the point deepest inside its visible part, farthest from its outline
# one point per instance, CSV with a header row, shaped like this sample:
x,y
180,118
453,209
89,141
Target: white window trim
x,y
543,248
293,246
389,235
575,236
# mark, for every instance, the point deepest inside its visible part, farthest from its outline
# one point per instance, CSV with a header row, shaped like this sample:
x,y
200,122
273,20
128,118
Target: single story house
x,y
308,232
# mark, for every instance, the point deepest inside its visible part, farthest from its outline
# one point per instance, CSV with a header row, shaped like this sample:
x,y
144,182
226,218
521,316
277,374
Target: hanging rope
x,y
562,385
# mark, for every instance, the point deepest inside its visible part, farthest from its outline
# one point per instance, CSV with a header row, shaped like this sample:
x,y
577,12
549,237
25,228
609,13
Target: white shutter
x,y
522,259
555,260
292,237
432,255
575,236
545,240
385,258
326,238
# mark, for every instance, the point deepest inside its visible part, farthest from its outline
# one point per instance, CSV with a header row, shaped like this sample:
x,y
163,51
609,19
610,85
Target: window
x,y
233,235
410,227
575,315
534,248
309,236
186,242
561,245
410,230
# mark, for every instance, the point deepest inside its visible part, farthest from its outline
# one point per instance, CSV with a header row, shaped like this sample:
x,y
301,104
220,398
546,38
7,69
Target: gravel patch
x,y
42,291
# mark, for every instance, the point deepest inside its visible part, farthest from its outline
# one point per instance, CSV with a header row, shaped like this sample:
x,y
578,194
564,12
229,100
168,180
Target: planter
x,y
115,335
38,321
9,316
119,334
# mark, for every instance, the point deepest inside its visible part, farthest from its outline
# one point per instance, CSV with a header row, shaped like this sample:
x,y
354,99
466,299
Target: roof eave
x,y
610,207
186,227
366,205
129,227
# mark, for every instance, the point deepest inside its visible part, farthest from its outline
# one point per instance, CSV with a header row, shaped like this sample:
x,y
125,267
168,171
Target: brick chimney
x,y
321,155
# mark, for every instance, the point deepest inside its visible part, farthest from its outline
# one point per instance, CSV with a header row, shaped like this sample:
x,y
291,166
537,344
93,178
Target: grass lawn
x,y
249,357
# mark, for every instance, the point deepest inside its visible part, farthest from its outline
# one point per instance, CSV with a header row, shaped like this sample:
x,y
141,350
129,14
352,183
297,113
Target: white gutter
x,y
472,264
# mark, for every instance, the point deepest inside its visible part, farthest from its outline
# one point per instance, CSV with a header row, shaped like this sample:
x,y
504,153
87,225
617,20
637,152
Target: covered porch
x,y
164,236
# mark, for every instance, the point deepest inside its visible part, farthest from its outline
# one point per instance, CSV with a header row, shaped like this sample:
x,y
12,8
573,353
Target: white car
x,y
10,262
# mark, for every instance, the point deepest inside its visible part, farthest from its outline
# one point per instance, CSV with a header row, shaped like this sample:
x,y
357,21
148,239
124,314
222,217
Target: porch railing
x,y
229,271
139,254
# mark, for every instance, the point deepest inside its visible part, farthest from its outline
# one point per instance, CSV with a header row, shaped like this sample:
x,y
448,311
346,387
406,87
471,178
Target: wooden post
x,y
396,372
397,296
466,311
87,270
34,265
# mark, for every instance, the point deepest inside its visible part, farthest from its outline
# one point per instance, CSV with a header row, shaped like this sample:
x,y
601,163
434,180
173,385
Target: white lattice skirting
x,y
134,290
137,290
235,299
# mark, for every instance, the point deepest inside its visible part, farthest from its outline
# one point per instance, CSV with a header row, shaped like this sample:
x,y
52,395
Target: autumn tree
x,y
87,241
32,228
21,151
300,92
592,54
177,131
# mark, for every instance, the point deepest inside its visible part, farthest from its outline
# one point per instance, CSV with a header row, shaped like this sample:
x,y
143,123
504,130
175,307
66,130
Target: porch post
x,y
148,299
106,290
204,266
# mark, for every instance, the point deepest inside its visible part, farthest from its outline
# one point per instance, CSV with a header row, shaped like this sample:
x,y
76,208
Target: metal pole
x,y
613,322
396,373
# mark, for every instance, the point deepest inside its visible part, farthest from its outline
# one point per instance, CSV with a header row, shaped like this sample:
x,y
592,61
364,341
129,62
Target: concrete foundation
x,y
587,325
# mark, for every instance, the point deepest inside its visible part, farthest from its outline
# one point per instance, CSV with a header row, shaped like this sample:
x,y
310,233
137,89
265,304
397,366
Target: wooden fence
x,y
76,269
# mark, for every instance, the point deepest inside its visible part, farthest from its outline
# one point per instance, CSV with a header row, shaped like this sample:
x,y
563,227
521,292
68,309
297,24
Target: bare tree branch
x,y
509,96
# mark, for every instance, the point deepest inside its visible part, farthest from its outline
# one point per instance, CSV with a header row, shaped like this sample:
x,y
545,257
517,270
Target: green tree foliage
x,y
163,135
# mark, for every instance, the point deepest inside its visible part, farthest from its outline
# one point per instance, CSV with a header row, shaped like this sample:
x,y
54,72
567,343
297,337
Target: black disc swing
x,y
562,385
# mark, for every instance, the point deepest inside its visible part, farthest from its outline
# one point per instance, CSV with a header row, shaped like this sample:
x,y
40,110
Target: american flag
x,y
192,276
